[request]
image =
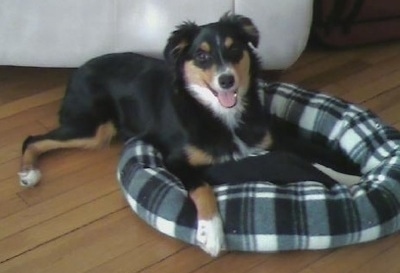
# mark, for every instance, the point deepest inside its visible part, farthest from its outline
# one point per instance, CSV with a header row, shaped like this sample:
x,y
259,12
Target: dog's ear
x,y
180,39
245,24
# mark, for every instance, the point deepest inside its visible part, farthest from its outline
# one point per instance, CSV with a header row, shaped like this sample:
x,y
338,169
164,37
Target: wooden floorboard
x,y
76,219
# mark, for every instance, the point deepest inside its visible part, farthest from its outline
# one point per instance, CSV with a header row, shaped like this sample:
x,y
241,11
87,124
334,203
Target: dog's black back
x,y
128,89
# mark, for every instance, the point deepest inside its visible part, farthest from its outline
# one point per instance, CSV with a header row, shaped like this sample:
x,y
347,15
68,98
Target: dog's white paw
x,y
29,178
210,235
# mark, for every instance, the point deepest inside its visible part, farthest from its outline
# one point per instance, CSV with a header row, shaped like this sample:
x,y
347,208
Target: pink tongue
x,y
227,99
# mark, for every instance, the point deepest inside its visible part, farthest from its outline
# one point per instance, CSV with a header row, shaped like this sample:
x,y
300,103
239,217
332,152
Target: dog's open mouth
x,y
227,99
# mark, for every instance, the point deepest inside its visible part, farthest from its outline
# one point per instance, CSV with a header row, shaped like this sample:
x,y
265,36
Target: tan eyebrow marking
x,y
228,42
205,47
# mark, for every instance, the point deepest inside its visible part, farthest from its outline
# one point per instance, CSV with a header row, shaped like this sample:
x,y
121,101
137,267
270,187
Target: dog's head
x,y
216,60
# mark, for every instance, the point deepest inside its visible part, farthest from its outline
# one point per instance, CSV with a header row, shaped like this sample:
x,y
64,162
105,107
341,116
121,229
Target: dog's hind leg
x,y
62,137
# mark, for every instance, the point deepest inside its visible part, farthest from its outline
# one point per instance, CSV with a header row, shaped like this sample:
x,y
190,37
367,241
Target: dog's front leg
x,y
210,234
189,167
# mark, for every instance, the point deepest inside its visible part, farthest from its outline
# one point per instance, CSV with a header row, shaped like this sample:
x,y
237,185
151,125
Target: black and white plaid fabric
x,y
260,216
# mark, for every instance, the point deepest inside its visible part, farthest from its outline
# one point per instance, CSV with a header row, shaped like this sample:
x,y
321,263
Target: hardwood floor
x,y
76,219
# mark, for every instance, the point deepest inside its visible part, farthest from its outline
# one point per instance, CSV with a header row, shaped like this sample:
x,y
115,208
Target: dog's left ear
x,y
250,31
179,40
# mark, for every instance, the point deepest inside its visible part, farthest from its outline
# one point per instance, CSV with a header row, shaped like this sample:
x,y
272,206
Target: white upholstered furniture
x,y
66,33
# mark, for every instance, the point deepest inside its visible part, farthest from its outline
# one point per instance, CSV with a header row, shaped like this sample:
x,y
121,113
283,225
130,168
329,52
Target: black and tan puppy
x,y
198,107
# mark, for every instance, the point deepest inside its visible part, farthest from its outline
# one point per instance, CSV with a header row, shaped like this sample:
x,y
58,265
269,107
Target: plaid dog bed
x,y
260,216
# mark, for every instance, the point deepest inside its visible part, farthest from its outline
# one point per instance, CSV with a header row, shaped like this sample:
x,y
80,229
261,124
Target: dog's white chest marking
x,y
231,117
244,150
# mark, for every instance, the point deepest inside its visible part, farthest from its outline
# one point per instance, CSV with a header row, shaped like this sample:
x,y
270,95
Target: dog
x,y
200,106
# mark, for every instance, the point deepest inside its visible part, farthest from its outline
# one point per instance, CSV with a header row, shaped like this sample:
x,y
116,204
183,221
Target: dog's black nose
x,y
226,81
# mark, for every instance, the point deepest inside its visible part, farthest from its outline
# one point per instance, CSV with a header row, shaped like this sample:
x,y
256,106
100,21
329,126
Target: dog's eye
x,y
202,57
235,53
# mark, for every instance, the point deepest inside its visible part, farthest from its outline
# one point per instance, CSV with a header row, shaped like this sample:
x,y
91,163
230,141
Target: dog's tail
x,y
342,178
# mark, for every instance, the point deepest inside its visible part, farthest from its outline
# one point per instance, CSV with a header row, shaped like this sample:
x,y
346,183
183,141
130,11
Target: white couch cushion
x,y
67,33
